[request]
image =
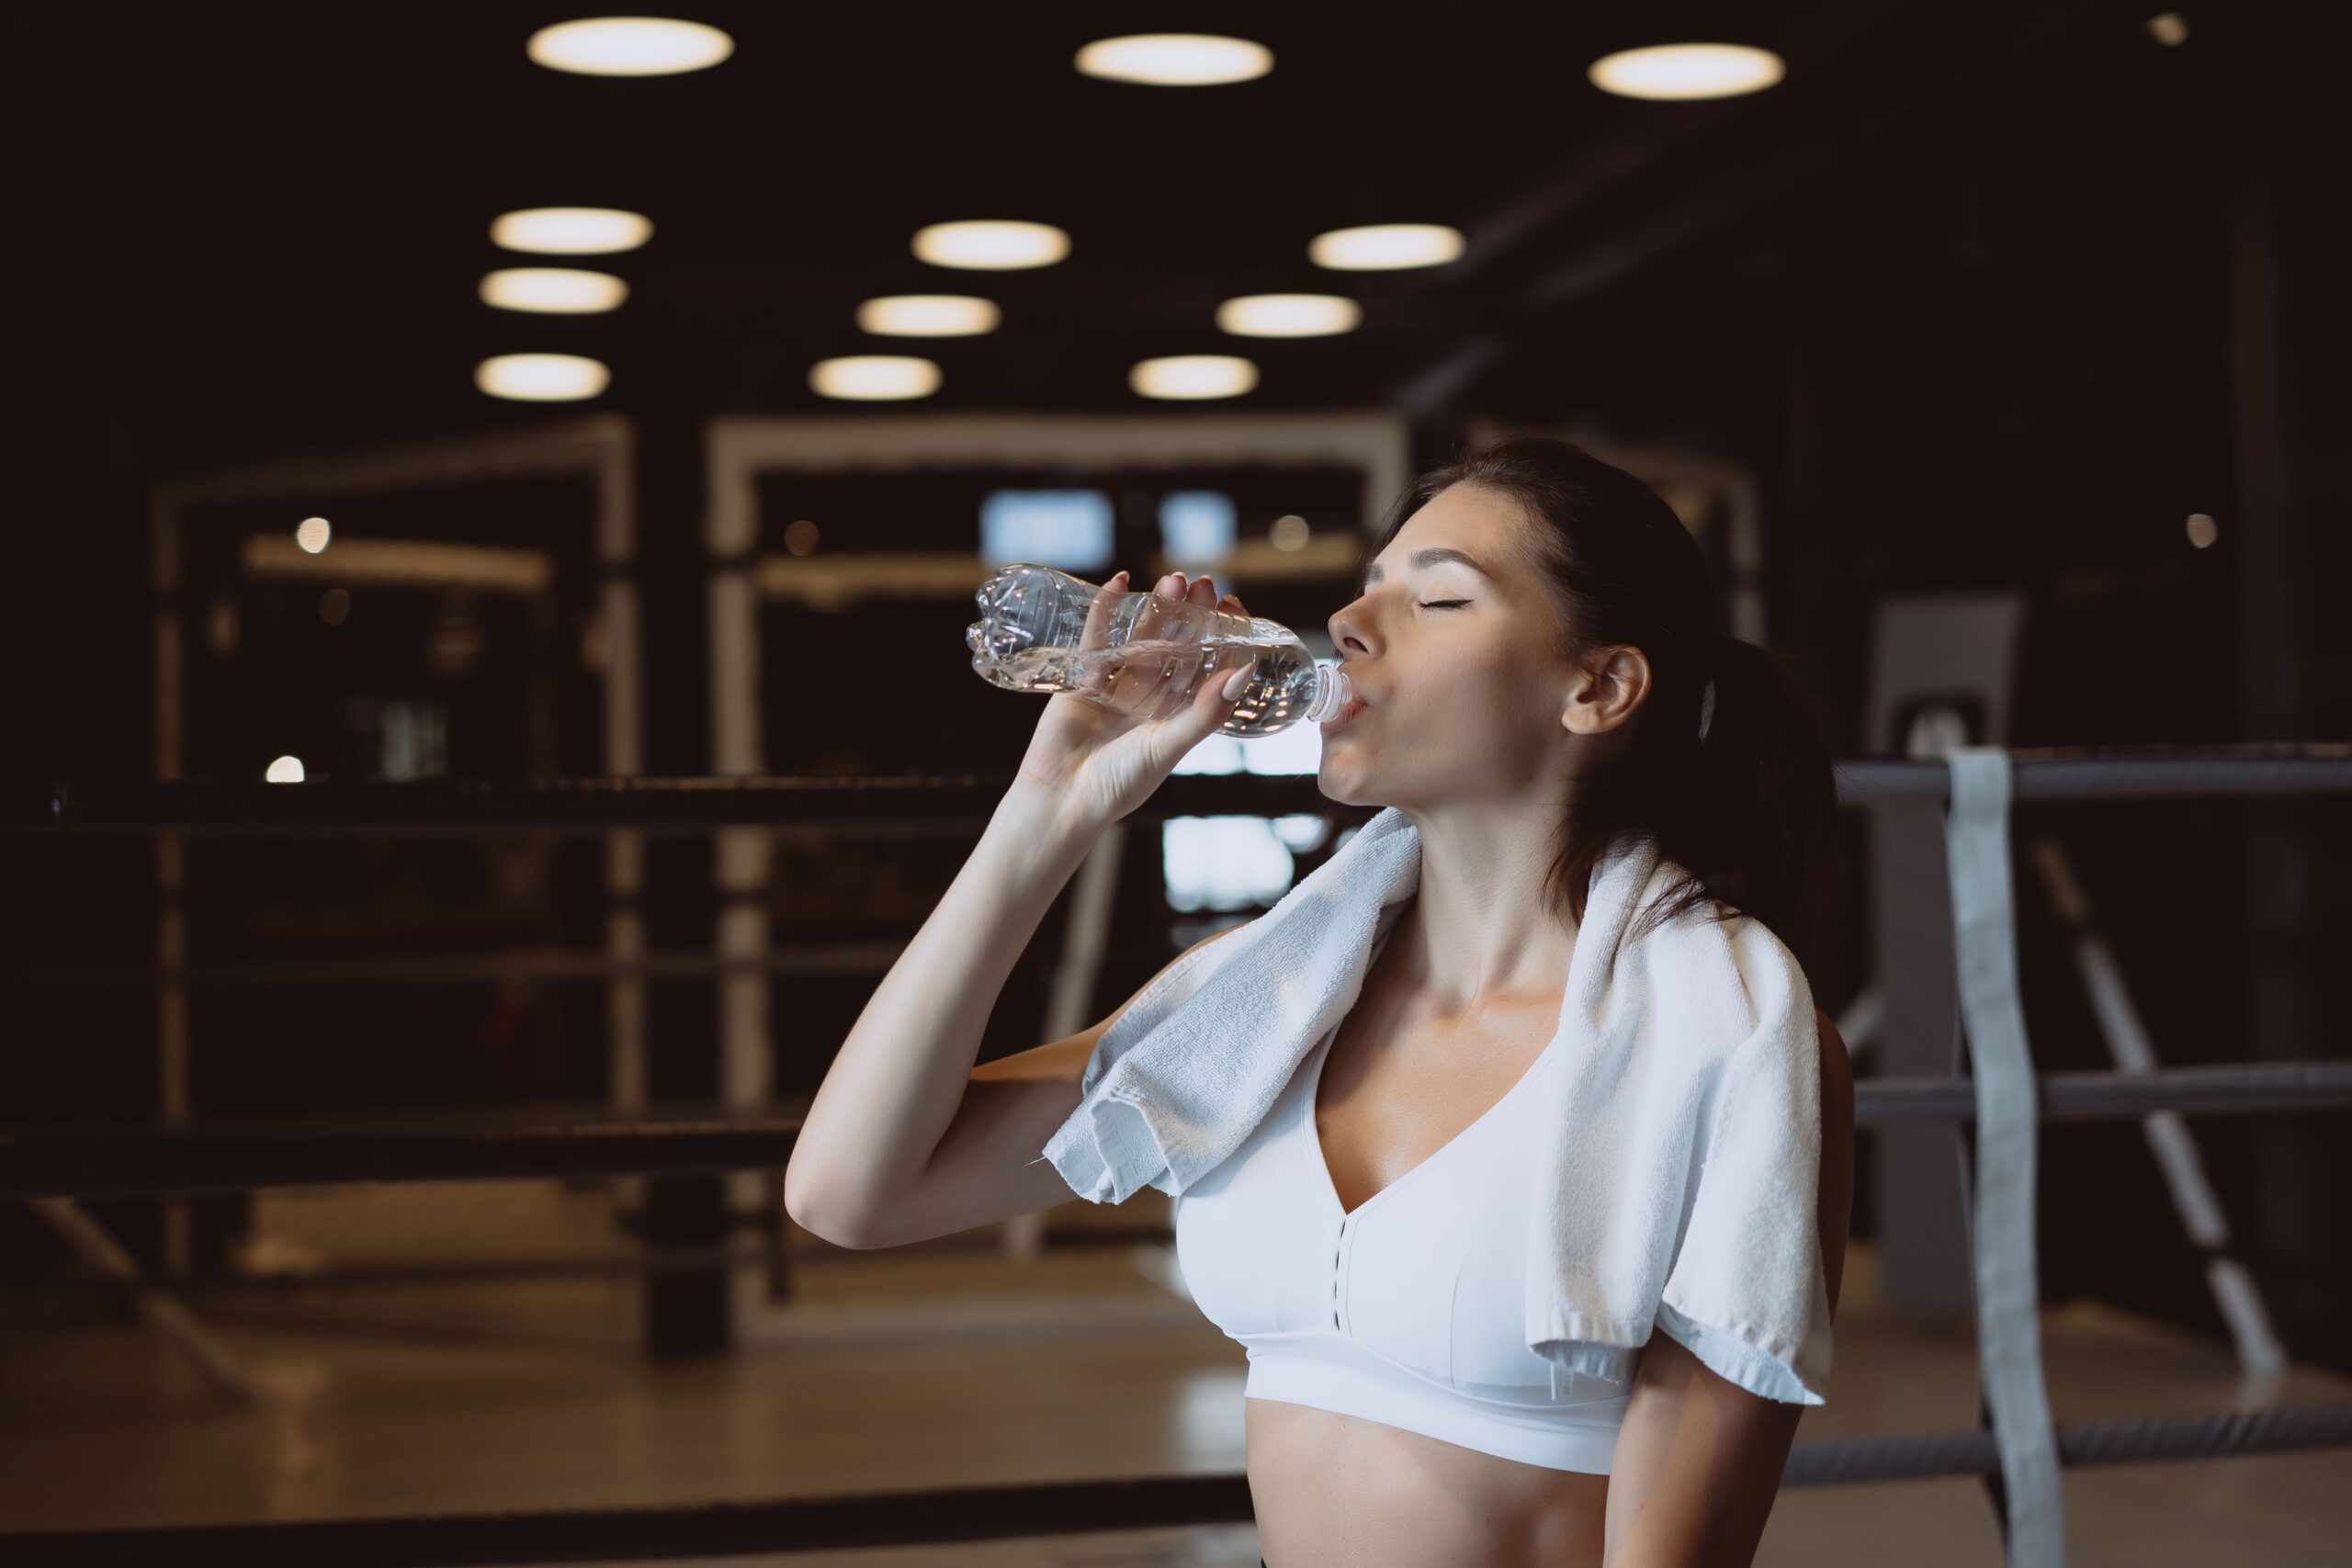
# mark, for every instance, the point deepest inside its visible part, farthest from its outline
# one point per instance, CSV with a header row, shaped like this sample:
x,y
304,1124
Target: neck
x,y
1480,933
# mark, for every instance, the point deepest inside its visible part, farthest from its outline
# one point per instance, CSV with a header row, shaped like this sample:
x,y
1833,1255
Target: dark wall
x,y
2017,352
74,630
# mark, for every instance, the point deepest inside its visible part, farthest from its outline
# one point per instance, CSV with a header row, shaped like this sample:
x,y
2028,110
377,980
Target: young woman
x,y
1534,642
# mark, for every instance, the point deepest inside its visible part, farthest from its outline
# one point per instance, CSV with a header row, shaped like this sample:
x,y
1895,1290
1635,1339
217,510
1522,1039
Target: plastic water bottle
x,y
1148,655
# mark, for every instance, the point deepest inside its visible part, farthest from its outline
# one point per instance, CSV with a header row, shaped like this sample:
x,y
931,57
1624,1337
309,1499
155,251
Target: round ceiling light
x,y
992,244
1176,59
1289,315
629,46
928,315
570,231
560,290
1687,70
874,377
1193,376
1381,247
542,377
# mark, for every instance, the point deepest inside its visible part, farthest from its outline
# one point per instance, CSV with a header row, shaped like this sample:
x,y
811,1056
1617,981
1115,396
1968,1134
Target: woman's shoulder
x,y
1719,979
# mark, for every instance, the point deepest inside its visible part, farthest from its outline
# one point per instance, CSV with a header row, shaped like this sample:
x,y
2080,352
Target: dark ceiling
x,y
285,206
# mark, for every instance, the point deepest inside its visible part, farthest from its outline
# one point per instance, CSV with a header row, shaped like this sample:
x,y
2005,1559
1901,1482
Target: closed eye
x,y
1442,603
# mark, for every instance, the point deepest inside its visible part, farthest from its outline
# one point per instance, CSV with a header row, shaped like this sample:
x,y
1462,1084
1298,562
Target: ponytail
x,y
1762,823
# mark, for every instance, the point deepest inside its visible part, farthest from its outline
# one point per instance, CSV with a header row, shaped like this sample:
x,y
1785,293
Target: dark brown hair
x,y
1749,812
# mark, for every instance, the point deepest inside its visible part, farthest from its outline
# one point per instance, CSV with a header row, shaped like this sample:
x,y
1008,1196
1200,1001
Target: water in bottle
x,y
1143,653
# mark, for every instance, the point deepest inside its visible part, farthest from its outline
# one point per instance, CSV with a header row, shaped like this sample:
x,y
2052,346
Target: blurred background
x,y
452,394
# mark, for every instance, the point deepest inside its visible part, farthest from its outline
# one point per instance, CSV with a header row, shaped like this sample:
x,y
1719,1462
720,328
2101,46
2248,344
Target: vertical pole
x,y
172,1097
2289,211
687,1311
1921,1201
741,855
624,1004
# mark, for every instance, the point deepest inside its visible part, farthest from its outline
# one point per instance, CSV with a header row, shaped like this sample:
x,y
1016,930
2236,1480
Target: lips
x,y
1346,715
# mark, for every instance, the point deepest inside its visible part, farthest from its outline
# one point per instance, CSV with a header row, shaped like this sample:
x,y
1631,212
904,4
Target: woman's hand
x,y
1093,763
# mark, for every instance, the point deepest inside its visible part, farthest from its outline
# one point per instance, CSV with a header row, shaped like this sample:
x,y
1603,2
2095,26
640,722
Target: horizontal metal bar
x,y
1836,1461
512,964
212,1287
962,801
113,1161
2123,773
224,1284
897,802
2109,1096
792,956
242,1155
842,1522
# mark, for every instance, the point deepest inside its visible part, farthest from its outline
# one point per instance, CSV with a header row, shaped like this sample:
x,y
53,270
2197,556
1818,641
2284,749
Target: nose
x,y
1342,628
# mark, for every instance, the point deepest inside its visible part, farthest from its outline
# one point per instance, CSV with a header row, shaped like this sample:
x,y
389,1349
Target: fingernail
x,y
1238,679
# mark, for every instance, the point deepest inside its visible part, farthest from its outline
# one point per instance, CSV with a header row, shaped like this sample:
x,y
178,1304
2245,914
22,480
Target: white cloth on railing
x,y
1681,1190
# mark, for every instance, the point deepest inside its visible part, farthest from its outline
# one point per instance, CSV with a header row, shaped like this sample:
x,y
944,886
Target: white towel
x,y
1682,1190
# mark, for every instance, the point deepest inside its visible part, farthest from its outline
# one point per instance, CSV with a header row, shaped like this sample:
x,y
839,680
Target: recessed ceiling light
x,y
929,315
1176,59
874,377
1193,376
1687,70
629,46
992,244
284,769
313,534
559,289
1381,247
542,377
570,231
1289,315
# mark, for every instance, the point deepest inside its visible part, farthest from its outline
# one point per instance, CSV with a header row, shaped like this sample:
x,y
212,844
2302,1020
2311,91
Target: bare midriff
x,y
1334,1490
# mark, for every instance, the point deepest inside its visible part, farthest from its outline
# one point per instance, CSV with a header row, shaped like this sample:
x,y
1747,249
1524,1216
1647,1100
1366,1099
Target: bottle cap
x,y
1333,692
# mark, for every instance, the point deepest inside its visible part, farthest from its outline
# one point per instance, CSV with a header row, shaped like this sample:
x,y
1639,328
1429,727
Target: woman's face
x,y
1457,665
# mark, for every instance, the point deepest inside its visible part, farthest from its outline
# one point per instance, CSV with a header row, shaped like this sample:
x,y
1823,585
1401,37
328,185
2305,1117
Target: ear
x,y
1603,696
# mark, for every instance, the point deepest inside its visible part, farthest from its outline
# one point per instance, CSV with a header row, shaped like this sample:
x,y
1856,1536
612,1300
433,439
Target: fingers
x,y
1198,589
1209,703
1098,613
1176,586
1219,693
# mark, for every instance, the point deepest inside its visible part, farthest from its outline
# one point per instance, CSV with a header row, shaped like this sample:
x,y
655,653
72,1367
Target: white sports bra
x,y
1411,1311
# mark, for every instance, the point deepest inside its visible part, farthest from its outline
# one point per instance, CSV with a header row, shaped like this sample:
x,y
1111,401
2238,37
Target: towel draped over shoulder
x,y
1681,1190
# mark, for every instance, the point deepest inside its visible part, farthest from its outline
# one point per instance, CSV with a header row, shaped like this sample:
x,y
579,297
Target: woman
x,y
1536,642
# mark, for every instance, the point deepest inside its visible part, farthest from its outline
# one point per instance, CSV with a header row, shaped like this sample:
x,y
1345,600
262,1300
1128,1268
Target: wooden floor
x,y
944,1366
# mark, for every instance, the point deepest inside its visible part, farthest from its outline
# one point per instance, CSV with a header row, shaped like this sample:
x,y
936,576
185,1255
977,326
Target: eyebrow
x,y
1430,557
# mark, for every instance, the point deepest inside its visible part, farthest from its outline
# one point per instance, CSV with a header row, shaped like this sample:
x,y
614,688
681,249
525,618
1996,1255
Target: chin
x,y
1338,792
